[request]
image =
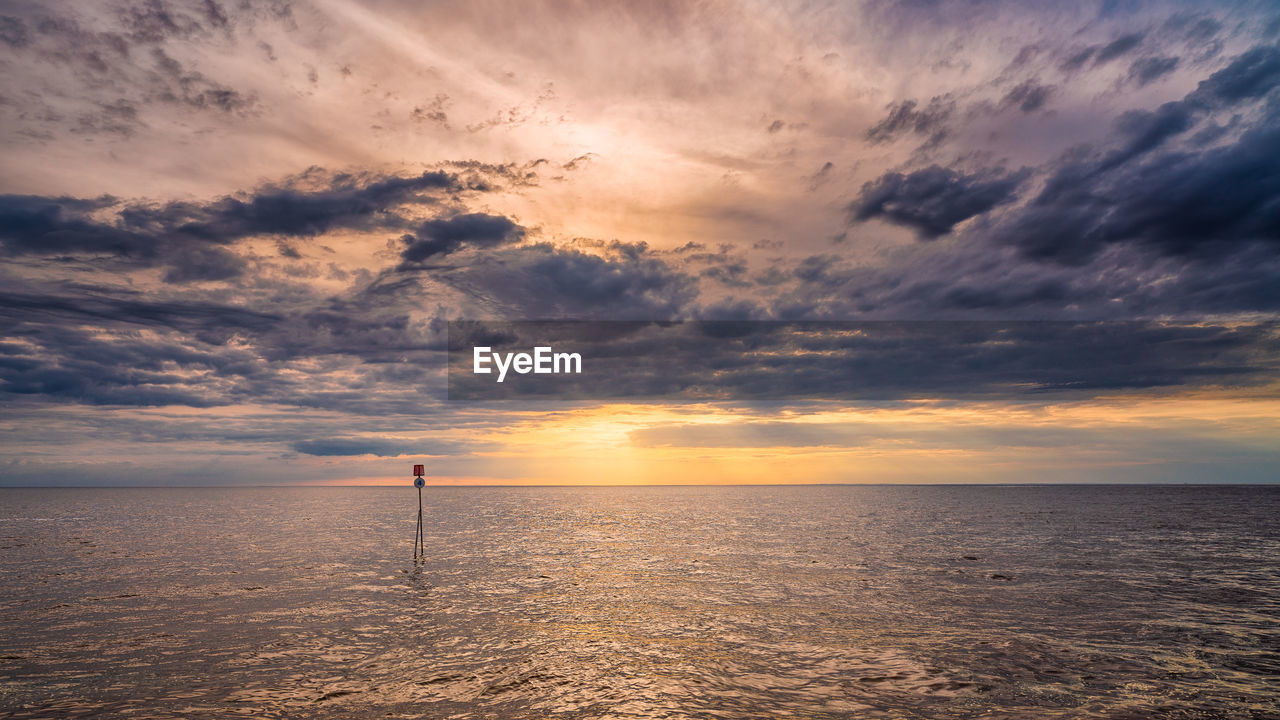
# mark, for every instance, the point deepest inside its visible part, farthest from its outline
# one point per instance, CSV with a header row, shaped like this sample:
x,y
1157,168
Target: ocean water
x,y
657,602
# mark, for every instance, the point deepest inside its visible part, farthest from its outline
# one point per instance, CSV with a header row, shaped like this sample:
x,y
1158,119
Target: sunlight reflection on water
x,y
727,602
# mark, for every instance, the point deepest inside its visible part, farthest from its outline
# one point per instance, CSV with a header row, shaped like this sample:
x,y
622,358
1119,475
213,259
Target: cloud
x,y
112,69
346,447
935,199
1249,76
69,364
808,434
1145,71
1146,188
1077,59
906,116
1196,29
433,111
311,204
147,349
51,225
154,22
1202,203
183,287
13,32
757,434
175,83
1028,96
446,235
1103,53
869,361
1144,130
190,238
1122,45
203,264
544,281
1210,203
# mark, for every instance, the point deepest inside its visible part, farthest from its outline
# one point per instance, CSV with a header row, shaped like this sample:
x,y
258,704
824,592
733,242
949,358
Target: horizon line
x,y
409,484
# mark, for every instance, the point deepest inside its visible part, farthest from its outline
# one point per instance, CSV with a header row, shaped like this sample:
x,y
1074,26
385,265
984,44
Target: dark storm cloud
x,y
360,327
78,305
100,345
872,361
74,384
92,347
87,366
973,280
81,344
1176,201
446,235
184,237
1144,130
542,280
1123,229
353,202
1243,282
934,200
1208,203
1249,76
193,264
1148,187
53,225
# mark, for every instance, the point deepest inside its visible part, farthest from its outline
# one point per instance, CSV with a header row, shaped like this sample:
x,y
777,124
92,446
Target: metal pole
x,y
417,529
420,552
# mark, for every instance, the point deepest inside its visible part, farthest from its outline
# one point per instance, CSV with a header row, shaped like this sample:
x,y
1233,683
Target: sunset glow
x,y
233,237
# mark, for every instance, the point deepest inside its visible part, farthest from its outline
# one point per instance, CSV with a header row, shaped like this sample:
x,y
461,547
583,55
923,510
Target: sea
x,y
836,601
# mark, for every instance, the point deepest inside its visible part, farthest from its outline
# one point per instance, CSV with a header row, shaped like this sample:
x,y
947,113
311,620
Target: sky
x,y
234,234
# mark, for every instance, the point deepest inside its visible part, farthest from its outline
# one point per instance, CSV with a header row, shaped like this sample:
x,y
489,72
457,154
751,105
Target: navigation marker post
x,y
419,542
